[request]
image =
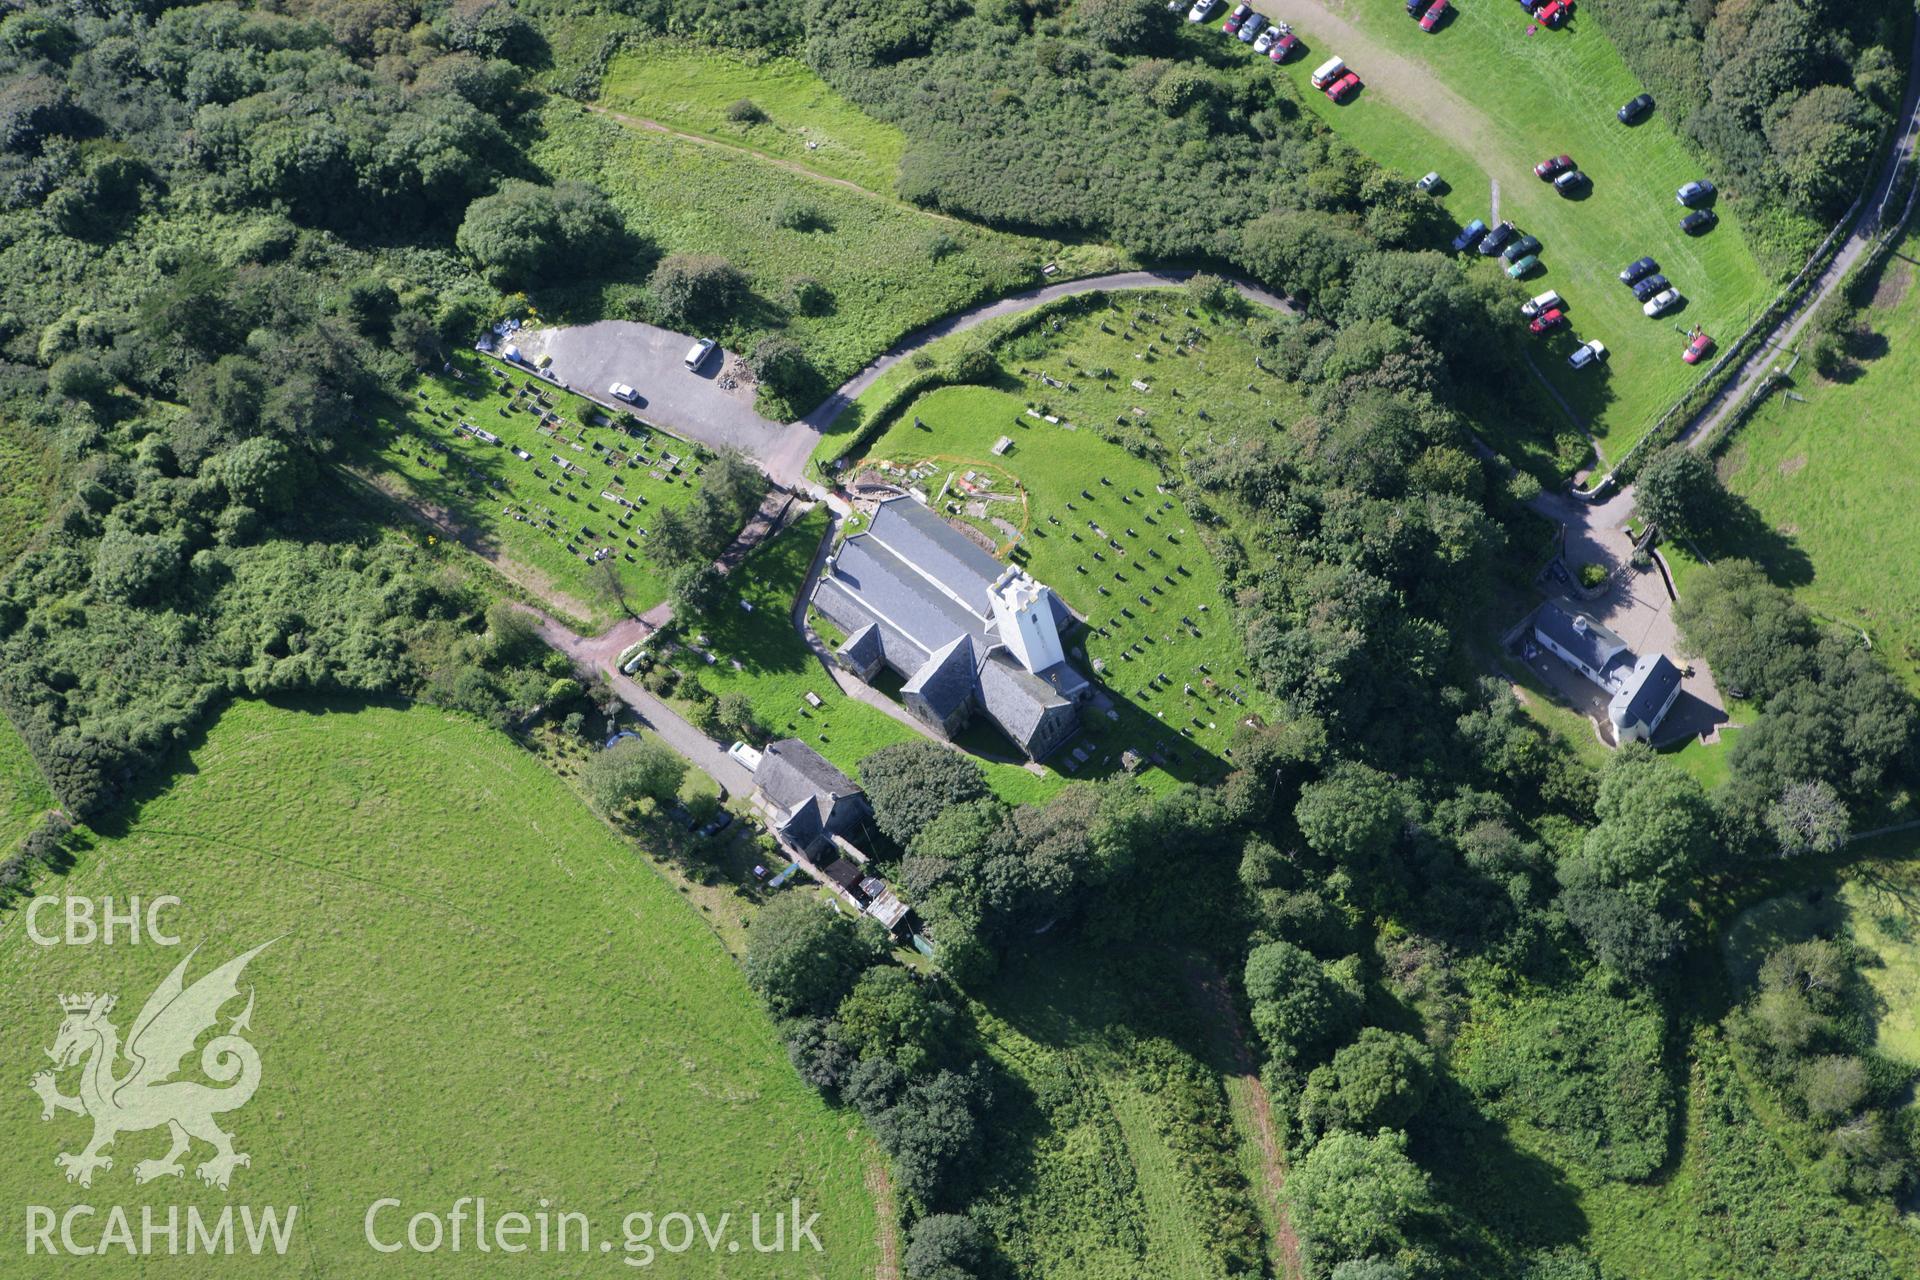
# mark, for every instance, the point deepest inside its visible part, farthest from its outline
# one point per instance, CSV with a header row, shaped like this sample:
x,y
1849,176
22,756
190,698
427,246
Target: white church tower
x,y
1023,616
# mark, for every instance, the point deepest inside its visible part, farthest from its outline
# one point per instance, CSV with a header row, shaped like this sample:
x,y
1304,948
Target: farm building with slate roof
x,y
966,634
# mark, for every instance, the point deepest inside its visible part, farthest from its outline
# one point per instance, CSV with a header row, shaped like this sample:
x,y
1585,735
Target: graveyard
x,y
540,477
1103,527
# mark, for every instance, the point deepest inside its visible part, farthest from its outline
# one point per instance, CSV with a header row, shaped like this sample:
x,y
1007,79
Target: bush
x,y
745,111
696,288
525,235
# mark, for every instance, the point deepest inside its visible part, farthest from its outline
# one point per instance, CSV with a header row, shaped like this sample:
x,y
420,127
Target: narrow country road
x,y
596,656
1866,228
1013,304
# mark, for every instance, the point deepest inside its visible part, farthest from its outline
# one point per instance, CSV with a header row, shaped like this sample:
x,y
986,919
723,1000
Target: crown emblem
x,y
82,1003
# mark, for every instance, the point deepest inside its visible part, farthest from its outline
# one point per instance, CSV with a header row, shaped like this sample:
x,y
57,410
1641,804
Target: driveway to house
x,y
596,655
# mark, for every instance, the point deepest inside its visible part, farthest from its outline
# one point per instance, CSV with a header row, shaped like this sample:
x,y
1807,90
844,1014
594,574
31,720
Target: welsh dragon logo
x,y
144,1094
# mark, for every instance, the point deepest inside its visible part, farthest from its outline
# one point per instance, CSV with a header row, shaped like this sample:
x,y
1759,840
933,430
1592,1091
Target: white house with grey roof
x,y
807,800
1642,689
966,634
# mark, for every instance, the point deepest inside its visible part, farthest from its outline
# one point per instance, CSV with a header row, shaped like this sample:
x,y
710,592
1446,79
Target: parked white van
x,y
747,757
1327,72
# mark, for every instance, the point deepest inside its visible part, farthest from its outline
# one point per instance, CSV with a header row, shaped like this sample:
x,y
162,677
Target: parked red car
x,y
1434,16
1548,320
1699,349
1283,44
1342,89
1241,12
1548,170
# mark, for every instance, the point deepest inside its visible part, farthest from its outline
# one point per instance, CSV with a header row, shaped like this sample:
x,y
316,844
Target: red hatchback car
x,y
1342,89
1283,45
1548,170
1548,320
1241,12
1434,16
1699,349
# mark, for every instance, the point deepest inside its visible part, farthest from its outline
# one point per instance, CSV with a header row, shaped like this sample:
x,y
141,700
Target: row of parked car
x,y
1277,41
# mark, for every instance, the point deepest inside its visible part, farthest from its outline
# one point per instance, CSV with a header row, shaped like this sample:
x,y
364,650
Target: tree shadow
x,y
1737,530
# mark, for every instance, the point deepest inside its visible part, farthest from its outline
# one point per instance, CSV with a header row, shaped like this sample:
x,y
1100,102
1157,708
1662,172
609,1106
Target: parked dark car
x,y
1469,236
1644,289
1695,194
720,822
1699,221
1569,182
1417,7
1522,247
1636,110
1548,170
1497,237
1639,271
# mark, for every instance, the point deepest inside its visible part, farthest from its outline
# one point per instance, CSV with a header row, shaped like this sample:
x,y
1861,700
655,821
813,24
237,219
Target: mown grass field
x,y
776,669
889,268
1542,95
24,795
1155,605
546,517
1834,476
690,88
475,990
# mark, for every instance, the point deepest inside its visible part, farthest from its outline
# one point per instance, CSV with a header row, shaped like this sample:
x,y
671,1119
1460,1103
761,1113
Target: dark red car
x,y
1548,320
1699,349
1435,16
1342,89
1548,170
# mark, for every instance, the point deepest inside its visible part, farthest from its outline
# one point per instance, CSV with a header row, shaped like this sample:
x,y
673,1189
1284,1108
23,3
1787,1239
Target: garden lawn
x,y
24,794
1097,525
1835,476
547,518
776,669
1546,94
889,268
690,88
472,989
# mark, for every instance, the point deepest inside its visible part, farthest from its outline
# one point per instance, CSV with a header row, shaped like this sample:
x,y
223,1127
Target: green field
x,y
473,989
889,268
1833,472
1091,1182
690,88
30,477
1877,904
759,653
1539,96
1156,608
23,792
545,518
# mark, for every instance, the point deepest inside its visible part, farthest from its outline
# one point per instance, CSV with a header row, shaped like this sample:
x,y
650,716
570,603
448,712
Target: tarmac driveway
x,y
695,406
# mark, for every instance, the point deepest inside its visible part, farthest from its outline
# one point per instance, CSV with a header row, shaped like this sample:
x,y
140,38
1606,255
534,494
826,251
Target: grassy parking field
x,y
803,120
1537,96
474,989
1833,471
582,489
